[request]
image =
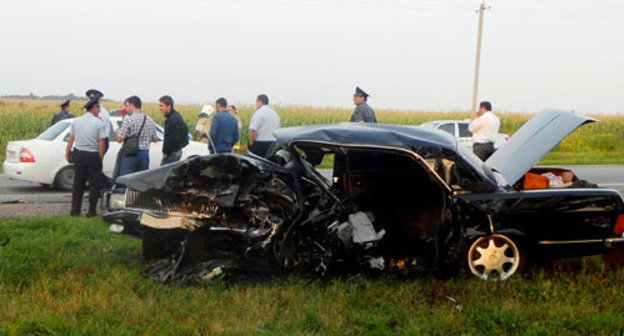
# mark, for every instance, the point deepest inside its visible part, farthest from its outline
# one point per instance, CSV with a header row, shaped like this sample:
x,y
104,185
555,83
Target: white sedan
x,y
42,159
459,129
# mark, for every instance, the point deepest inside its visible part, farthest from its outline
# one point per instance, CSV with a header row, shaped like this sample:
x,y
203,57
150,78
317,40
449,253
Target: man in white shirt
x,y
263,122
484,128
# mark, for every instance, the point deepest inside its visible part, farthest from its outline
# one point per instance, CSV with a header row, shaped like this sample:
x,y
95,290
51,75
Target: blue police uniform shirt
x,y
365,113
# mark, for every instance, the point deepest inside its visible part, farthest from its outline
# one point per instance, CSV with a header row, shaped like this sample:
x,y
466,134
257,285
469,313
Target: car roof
x,y
348,133
437,122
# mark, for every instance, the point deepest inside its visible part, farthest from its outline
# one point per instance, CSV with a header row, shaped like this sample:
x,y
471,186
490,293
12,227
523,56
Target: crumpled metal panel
x,y
171,177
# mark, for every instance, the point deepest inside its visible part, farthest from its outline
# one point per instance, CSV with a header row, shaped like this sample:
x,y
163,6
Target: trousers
x,y
87,167
132,164
173,157
483,150
261,148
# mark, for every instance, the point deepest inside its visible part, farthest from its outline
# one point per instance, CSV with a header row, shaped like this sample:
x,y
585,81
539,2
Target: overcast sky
x,y
407,54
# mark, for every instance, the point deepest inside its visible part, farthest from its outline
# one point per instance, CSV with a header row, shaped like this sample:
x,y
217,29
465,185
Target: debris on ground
x,y
17,201
456,305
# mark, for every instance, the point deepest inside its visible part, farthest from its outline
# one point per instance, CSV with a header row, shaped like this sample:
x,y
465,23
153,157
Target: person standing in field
x,y
87,136
143,128
363,113
63,114
176,131
224,128
484,127
263,122
202,128
232,109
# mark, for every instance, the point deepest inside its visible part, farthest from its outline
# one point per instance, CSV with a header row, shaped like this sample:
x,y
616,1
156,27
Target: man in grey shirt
x,y
363,112
87,134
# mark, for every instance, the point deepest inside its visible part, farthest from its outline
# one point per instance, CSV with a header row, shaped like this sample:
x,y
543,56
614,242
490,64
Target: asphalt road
x,y
607,176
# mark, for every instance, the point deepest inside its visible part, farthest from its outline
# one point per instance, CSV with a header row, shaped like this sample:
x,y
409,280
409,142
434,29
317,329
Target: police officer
x,y
63,114
87,134
104,114
105,117
363,112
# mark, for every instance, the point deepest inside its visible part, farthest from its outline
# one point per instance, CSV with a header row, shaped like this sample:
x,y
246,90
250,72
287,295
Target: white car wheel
x,y
494,257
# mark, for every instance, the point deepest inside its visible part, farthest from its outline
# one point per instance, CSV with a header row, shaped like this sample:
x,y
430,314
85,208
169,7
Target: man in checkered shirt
x,y
131,126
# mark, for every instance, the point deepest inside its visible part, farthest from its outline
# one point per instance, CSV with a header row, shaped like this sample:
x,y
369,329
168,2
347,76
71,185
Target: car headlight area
x,y
117,201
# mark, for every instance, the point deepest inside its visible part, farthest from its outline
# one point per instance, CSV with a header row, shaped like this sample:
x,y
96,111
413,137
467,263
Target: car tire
x,y
64,179
494,257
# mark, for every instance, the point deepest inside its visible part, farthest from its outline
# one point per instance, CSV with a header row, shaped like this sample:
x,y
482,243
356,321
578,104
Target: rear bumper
x,y
615,242
25,171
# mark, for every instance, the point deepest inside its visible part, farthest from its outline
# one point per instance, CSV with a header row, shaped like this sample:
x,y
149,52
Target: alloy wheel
x,y
494,257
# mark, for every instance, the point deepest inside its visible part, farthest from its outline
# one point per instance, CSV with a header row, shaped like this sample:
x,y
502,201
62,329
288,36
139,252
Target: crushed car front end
x,y
226,210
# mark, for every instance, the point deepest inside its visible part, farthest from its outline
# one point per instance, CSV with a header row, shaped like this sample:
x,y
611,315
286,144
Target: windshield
x,y
54,131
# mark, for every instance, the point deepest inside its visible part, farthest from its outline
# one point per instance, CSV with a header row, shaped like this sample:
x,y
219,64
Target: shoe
x,y
89,215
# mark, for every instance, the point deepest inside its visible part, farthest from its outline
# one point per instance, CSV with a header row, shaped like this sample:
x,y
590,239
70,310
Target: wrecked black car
x,y
399,199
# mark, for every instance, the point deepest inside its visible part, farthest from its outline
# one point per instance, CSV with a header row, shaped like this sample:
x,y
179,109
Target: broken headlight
x,y
117,201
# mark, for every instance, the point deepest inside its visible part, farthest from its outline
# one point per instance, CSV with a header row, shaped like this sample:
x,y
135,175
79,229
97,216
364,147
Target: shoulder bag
x,y
131,144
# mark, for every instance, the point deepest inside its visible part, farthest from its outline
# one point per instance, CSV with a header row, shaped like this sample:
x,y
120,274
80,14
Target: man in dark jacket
x,y
176,131
64,114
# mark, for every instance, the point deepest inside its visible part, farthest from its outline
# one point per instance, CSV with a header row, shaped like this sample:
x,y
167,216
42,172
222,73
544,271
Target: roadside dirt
x,y
38,209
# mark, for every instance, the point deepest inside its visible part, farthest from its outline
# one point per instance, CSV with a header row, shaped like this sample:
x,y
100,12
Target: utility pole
x,y
475,88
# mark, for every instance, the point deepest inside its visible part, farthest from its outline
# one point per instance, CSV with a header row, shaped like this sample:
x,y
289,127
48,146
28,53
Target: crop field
x,y
597,143
70,276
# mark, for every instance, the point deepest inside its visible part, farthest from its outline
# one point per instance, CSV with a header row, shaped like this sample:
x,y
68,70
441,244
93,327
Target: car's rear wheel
x,y
65,178
494,257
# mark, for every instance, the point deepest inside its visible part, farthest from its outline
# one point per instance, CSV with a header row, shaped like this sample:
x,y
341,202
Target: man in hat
x,y
363,112
87,139
104,114
202,128
105,117
63,114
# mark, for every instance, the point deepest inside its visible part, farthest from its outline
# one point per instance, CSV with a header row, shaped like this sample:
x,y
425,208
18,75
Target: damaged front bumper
x,y
125,222
133,222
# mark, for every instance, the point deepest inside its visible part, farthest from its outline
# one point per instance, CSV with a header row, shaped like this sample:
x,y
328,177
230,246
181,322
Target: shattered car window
x,y
454,170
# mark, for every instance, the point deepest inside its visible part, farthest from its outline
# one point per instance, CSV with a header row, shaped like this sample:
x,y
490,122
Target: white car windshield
x,y
53,132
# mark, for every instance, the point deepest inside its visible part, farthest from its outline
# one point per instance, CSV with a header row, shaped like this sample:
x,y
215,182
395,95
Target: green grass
x,y
70,276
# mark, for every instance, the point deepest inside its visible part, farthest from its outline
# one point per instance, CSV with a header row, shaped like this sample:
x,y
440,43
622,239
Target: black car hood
x,y
170,177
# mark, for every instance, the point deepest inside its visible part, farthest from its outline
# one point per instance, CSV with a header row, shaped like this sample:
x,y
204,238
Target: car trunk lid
x,y
536,138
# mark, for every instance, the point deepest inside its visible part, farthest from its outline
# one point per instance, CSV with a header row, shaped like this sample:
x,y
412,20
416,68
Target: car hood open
x,y
533,141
